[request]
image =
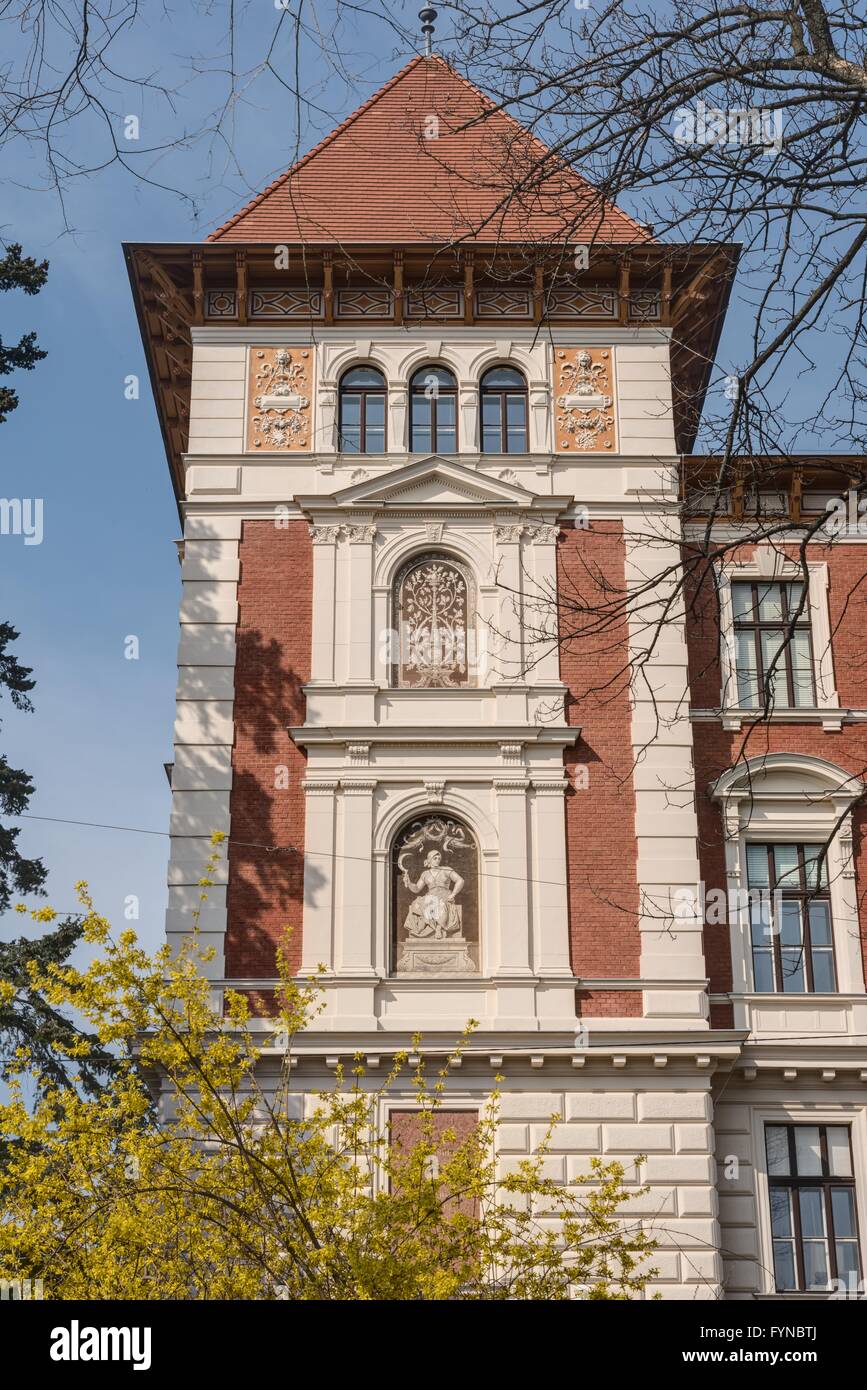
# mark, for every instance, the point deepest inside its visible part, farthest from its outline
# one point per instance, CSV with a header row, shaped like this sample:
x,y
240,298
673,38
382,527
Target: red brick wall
x,y
600,820
265,894
717,750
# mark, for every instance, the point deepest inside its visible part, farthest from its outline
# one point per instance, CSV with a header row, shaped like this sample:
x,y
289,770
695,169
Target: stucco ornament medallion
x,y
585,418
280,392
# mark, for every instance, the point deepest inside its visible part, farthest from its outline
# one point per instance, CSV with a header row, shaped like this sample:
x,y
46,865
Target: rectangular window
x,y
790,920
773,646
813,1214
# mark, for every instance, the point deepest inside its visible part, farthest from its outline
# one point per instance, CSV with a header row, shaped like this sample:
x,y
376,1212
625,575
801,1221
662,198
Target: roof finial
x,y
427,17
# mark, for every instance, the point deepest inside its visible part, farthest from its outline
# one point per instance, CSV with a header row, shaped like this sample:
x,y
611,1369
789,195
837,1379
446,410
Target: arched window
x,y
361,425
435,897
433,607
433,406
504,412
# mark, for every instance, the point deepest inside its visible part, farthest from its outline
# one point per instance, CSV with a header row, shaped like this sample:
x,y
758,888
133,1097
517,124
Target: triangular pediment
x,y
434,482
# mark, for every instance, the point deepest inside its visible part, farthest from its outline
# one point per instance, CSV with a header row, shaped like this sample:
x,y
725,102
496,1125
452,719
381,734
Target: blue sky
x,y
107,568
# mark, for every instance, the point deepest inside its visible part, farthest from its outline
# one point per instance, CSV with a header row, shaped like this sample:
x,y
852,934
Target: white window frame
x,y
805,1112
769,565
755,810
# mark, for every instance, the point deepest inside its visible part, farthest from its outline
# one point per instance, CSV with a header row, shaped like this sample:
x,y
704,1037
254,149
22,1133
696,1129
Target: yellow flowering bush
x,y
200,1172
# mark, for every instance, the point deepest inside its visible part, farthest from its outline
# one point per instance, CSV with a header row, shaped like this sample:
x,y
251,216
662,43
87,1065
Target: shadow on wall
x,y
266,872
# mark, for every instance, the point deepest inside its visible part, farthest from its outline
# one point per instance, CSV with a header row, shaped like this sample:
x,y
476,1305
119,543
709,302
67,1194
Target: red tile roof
x,y
379,177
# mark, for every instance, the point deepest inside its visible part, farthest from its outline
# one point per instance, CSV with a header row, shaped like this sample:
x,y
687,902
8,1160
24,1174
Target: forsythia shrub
x,y
199,1172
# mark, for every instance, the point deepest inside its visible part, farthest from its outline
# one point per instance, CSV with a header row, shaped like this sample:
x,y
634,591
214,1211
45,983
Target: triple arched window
x,y
433,411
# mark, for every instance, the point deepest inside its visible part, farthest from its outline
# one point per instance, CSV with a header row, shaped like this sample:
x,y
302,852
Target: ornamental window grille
x,y
433,603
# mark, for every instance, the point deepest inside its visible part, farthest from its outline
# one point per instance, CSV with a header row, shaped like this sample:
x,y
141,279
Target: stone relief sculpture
x,y
281,387
583,393
433,618
436,899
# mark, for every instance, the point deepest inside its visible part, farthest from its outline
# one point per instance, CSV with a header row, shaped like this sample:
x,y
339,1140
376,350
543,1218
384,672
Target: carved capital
x,y
360,535
324,535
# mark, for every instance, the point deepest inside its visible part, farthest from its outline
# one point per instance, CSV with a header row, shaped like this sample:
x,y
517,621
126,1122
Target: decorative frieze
x,y
363,304
584,400
221,304
504,304
280,391
601,303
433,304
285,304
645,306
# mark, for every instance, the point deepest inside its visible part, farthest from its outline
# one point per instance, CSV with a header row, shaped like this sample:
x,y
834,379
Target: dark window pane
x,y
375,407
742,601
363,376
820,924
781,1212
426,378
843,1212
350,410
763,971
808,1151
777,1147
350,440
446,412
839,1151
816,871
812,1213
792,958
757,866
770,603
787,867
502,376
421,441
816,1264
375,442
848,1267
824,975
790,922
784,1265
446,440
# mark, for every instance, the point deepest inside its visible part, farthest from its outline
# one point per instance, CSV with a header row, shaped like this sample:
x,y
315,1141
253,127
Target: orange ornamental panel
x,y
584,400
279,402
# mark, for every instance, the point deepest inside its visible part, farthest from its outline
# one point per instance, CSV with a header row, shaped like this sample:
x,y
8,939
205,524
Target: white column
x,y
396,442
361,539
509,659
550,902
317,933
540,438
355,916
324,594
540,612
468,425
326,419
514,874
